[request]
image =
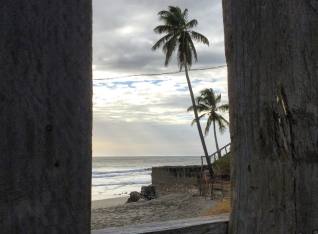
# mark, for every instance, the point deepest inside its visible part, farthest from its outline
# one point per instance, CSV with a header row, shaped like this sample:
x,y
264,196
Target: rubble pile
x,y
148,192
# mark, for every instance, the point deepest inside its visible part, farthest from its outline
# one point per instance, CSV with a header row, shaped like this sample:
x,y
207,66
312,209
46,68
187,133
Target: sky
x,y
147,115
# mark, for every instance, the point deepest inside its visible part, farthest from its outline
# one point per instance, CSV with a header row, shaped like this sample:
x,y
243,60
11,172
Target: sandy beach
x,y
115,212
105,203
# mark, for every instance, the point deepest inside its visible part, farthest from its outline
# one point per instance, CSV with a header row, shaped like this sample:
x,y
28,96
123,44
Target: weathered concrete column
x,y
45,116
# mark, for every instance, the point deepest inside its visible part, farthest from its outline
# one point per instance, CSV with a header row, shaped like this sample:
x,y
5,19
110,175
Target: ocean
x,y
118,176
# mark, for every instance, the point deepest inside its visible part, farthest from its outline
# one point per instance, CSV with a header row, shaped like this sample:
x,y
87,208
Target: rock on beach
x,y
134,197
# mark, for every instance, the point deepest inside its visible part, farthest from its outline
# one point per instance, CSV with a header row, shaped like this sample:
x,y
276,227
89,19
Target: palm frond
x,y
168,18
162,41
202,107
224,107
209,96
169,48
208,125
164,13
199,100
163,29
180,55
192,48
193,23
188,53
190,108
217,98
185,14
206,92
199,37
194,120
186,46
223,120
178,19
202,100
175,10
221,125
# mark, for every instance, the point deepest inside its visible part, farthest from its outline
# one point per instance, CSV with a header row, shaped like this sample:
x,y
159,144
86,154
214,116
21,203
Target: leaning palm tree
x,y
209,102
179,37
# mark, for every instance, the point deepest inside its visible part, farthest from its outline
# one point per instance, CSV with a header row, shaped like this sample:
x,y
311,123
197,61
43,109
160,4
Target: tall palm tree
x,y
179,37
209,102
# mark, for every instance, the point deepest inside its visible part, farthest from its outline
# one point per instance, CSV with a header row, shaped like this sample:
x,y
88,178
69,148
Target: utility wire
x,y
200,69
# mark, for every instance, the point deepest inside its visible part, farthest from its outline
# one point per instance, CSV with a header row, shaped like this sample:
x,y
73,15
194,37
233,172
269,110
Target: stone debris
x,y
148,192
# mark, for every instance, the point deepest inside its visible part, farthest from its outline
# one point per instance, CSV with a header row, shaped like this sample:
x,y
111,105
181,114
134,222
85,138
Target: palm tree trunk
x,y
197,119
216,141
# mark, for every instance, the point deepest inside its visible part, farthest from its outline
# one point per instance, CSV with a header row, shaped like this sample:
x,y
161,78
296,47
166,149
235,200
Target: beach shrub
x,y
222,165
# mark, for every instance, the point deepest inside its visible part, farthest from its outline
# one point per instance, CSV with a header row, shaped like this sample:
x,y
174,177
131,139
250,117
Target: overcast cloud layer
x,y
146,115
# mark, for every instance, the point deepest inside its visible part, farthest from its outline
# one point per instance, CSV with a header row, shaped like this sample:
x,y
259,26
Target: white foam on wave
x,y
101,173
116,182
124,183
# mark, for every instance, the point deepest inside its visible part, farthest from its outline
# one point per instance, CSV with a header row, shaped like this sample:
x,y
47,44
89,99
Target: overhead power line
x,y
159,74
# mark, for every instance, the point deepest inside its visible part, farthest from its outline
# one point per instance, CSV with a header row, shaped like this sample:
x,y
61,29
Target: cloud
x,y
150,139
146,115
123,34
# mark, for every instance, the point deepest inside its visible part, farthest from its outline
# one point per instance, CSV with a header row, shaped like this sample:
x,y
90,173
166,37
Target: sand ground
x,y
115,212
105,203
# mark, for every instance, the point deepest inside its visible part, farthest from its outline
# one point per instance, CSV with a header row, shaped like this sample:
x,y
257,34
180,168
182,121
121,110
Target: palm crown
x,y
179,36
209,103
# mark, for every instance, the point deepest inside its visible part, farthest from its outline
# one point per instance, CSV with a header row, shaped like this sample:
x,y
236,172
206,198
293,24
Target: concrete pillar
x,y
45,116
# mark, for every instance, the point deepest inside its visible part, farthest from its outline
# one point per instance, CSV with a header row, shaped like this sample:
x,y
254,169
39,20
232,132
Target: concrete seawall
x,y
171,179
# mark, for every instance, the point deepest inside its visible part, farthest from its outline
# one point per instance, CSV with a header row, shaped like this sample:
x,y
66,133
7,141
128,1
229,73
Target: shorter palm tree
x,y
209,102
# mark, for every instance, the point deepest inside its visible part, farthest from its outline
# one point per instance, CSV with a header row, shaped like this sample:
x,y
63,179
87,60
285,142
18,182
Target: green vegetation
x,y
179,37
222,165
209,102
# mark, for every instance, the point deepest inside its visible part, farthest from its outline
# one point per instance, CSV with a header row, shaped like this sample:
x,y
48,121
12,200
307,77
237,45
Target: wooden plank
x,y
217,224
